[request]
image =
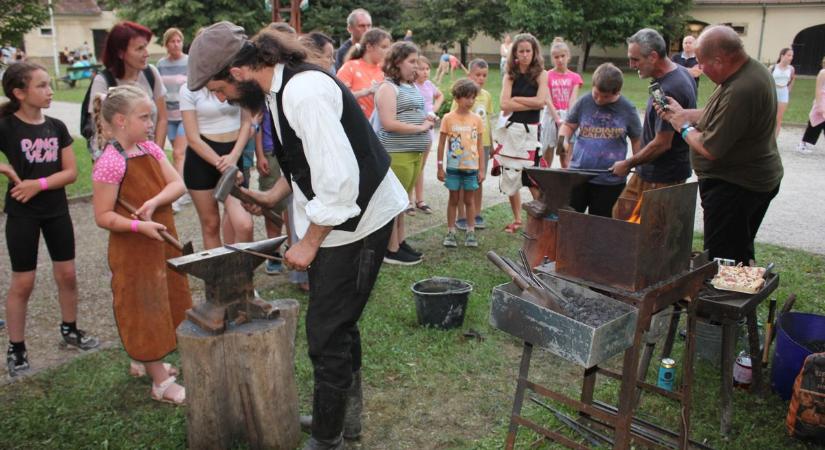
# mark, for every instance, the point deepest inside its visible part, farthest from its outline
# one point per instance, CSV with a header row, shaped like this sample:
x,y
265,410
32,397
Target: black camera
x,y
658,94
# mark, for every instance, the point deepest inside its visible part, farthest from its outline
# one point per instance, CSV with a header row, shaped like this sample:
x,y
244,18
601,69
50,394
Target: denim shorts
x,y
461,180
175,130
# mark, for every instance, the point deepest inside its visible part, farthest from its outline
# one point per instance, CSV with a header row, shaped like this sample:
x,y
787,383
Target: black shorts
x,y
23,239
198,174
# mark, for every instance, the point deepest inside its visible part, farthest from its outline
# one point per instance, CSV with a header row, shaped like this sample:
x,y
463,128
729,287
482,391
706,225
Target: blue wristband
x,y
686,130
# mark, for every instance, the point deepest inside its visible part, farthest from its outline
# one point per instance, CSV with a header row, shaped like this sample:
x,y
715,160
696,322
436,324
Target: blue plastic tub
x,y
794,330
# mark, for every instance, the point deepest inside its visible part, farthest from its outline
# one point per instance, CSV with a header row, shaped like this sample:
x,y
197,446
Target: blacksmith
x,y
344,197
664,158
734,151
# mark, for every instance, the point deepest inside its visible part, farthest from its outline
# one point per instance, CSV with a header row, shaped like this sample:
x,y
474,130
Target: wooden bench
x,y
75,74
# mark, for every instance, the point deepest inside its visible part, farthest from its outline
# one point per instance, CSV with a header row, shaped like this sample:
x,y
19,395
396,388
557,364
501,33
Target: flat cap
x,y
212,50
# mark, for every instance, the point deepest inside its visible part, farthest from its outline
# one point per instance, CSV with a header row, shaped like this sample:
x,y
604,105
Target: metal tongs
x,y
533,288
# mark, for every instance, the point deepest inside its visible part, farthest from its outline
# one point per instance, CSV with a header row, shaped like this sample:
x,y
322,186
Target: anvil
x,y
229,292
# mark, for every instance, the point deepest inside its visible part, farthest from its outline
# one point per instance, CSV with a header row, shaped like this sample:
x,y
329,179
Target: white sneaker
x,y
805,148
185,199
176,207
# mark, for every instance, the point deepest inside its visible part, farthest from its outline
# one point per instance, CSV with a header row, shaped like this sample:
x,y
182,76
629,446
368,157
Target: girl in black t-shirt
x,y
41,163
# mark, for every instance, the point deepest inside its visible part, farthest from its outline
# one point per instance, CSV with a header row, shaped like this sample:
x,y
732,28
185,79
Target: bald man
x,y
733,149
687,58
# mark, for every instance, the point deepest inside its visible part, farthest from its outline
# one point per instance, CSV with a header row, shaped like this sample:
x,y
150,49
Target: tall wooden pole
x,y
276,10
294,13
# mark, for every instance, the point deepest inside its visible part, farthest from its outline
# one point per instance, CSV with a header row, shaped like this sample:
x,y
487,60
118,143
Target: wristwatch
x,y
686,128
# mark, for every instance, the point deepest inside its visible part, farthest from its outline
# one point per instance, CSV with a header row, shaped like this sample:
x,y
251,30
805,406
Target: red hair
x,y
118,41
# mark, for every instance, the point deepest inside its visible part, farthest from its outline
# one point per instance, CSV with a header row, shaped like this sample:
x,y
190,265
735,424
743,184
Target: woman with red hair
x,y
126,57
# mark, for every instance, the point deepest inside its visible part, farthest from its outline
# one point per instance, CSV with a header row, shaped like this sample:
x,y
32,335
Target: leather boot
x,y
355,405
328,409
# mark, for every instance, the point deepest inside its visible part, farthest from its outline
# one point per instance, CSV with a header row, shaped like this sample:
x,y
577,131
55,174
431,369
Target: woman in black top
x,y
524,93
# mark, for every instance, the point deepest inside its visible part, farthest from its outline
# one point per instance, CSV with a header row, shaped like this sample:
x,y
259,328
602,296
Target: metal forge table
x,y
646,266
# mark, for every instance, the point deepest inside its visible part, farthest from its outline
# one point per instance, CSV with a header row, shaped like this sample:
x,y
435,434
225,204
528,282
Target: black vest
x,y
373,160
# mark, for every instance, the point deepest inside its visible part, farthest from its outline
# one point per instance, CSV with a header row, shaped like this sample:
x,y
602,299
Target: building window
x,y
740,28
45,31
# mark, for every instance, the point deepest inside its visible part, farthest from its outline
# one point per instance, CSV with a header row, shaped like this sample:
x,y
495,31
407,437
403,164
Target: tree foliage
x,y
602,23
330,16
455,21
190,15
18,17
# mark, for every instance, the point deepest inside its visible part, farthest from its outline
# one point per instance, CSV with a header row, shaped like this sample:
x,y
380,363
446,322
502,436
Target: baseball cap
x,y
212,50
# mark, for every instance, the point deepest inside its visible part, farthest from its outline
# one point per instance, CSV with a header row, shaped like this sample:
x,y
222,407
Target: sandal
x,y
513,227
410,211
169,392
138,370
423,207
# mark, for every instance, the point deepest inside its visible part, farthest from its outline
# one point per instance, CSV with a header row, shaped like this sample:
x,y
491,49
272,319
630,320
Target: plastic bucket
x,y
441,302
794,330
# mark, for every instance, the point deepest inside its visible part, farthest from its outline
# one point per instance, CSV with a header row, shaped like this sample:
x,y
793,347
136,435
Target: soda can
x,y
667,373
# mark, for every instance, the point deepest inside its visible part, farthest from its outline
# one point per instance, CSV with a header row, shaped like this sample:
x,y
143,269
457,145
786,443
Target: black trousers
x,y
812,133
732,218
340,283
598,199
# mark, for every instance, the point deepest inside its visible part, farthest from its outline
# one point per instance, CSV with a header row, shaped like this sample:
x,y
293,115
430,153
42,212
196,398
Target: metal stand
x,y
620,420
729,308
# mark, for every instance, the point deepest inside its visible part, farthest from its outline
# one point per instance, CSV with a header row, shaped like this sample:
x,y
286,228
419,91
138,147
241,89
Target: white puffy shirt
x,y
313,105
214,116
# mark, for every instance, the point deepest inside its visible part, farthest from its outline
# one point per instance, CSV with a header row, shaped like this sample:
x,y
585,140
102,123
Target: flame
x,y
636,215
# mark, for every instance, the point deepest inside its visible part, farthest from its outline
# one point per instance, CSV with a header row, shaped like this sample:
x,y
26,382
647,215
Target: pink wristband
x,y
135,225
44,184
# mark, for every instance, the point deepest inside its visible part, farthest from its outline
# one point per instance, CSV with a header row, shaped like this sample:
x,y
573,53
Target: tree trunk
x,y
463,58
240,385
587,46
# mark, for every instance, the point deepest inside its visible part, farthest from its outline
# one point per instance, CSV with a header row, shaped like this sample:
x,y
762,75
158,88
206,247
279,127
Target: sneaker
x,y
176,208
404,245
461,224
2,324
273,267
480,225
470,240
449,240
185,199
80,340
17,362
805,148
401,258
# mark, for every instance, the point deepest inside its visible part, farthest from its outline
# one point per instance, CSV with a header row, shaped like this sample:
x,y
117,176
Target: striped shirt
x,y
409,109
173,76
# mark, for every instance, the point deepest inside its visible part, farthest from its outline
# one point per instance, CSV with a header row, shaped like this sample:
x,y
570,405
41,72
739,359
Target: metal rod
x,y
590,435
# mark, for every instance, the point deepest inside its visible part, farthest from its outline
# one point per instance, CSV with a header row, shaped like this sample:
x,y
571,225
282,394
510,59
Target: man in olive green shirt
x,y
734,150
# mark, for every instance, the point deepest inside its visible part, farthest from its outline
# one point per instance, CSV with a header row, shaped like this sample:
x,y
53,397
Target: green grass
x,y
425,388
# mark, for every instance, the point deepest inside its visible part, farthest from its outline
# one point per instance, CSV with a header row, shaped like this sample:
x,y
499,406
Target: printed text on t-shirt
x,y
40,150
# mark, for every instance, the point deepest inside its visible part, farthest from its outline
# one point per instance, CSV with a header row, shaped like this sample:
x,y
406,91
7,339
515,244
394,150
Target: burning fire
x,y
636,215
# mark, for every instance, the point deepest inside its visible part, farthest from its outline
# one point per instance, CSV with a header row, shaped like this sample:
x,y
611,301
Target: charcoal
x,y
815,346
591,312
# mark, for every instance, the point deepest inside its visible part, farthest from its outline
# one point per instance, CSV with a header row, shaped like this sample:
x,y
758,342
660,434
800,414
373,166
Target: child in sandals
x,y
150,300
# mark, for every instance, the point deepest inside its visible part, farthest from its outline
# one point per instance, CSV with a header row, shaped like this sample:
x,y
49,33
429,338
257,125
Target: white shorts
x,y
782,94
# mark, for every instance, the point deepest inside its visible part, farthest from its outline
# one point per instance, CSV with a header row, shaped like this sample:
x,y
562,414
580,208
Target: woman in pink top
x,y
361,72
816,119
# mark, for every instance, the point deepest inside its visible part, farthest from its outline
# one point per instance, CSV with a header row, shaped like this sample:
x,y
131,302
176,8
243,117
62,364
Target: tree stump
x,y
240,385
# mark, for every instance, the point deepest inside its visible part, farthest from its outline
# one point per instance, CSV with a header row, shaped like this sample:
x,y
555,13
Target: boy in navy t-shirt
x,y
605,120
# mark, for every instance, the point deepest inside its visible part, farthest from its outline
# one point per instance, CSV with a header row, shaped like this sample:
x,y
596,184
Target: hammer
x,y
226,186
186,249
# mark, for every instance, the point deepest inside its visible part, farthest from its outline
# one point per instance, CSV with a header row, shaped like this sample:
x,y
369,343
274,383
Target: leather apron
x,y
150,299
